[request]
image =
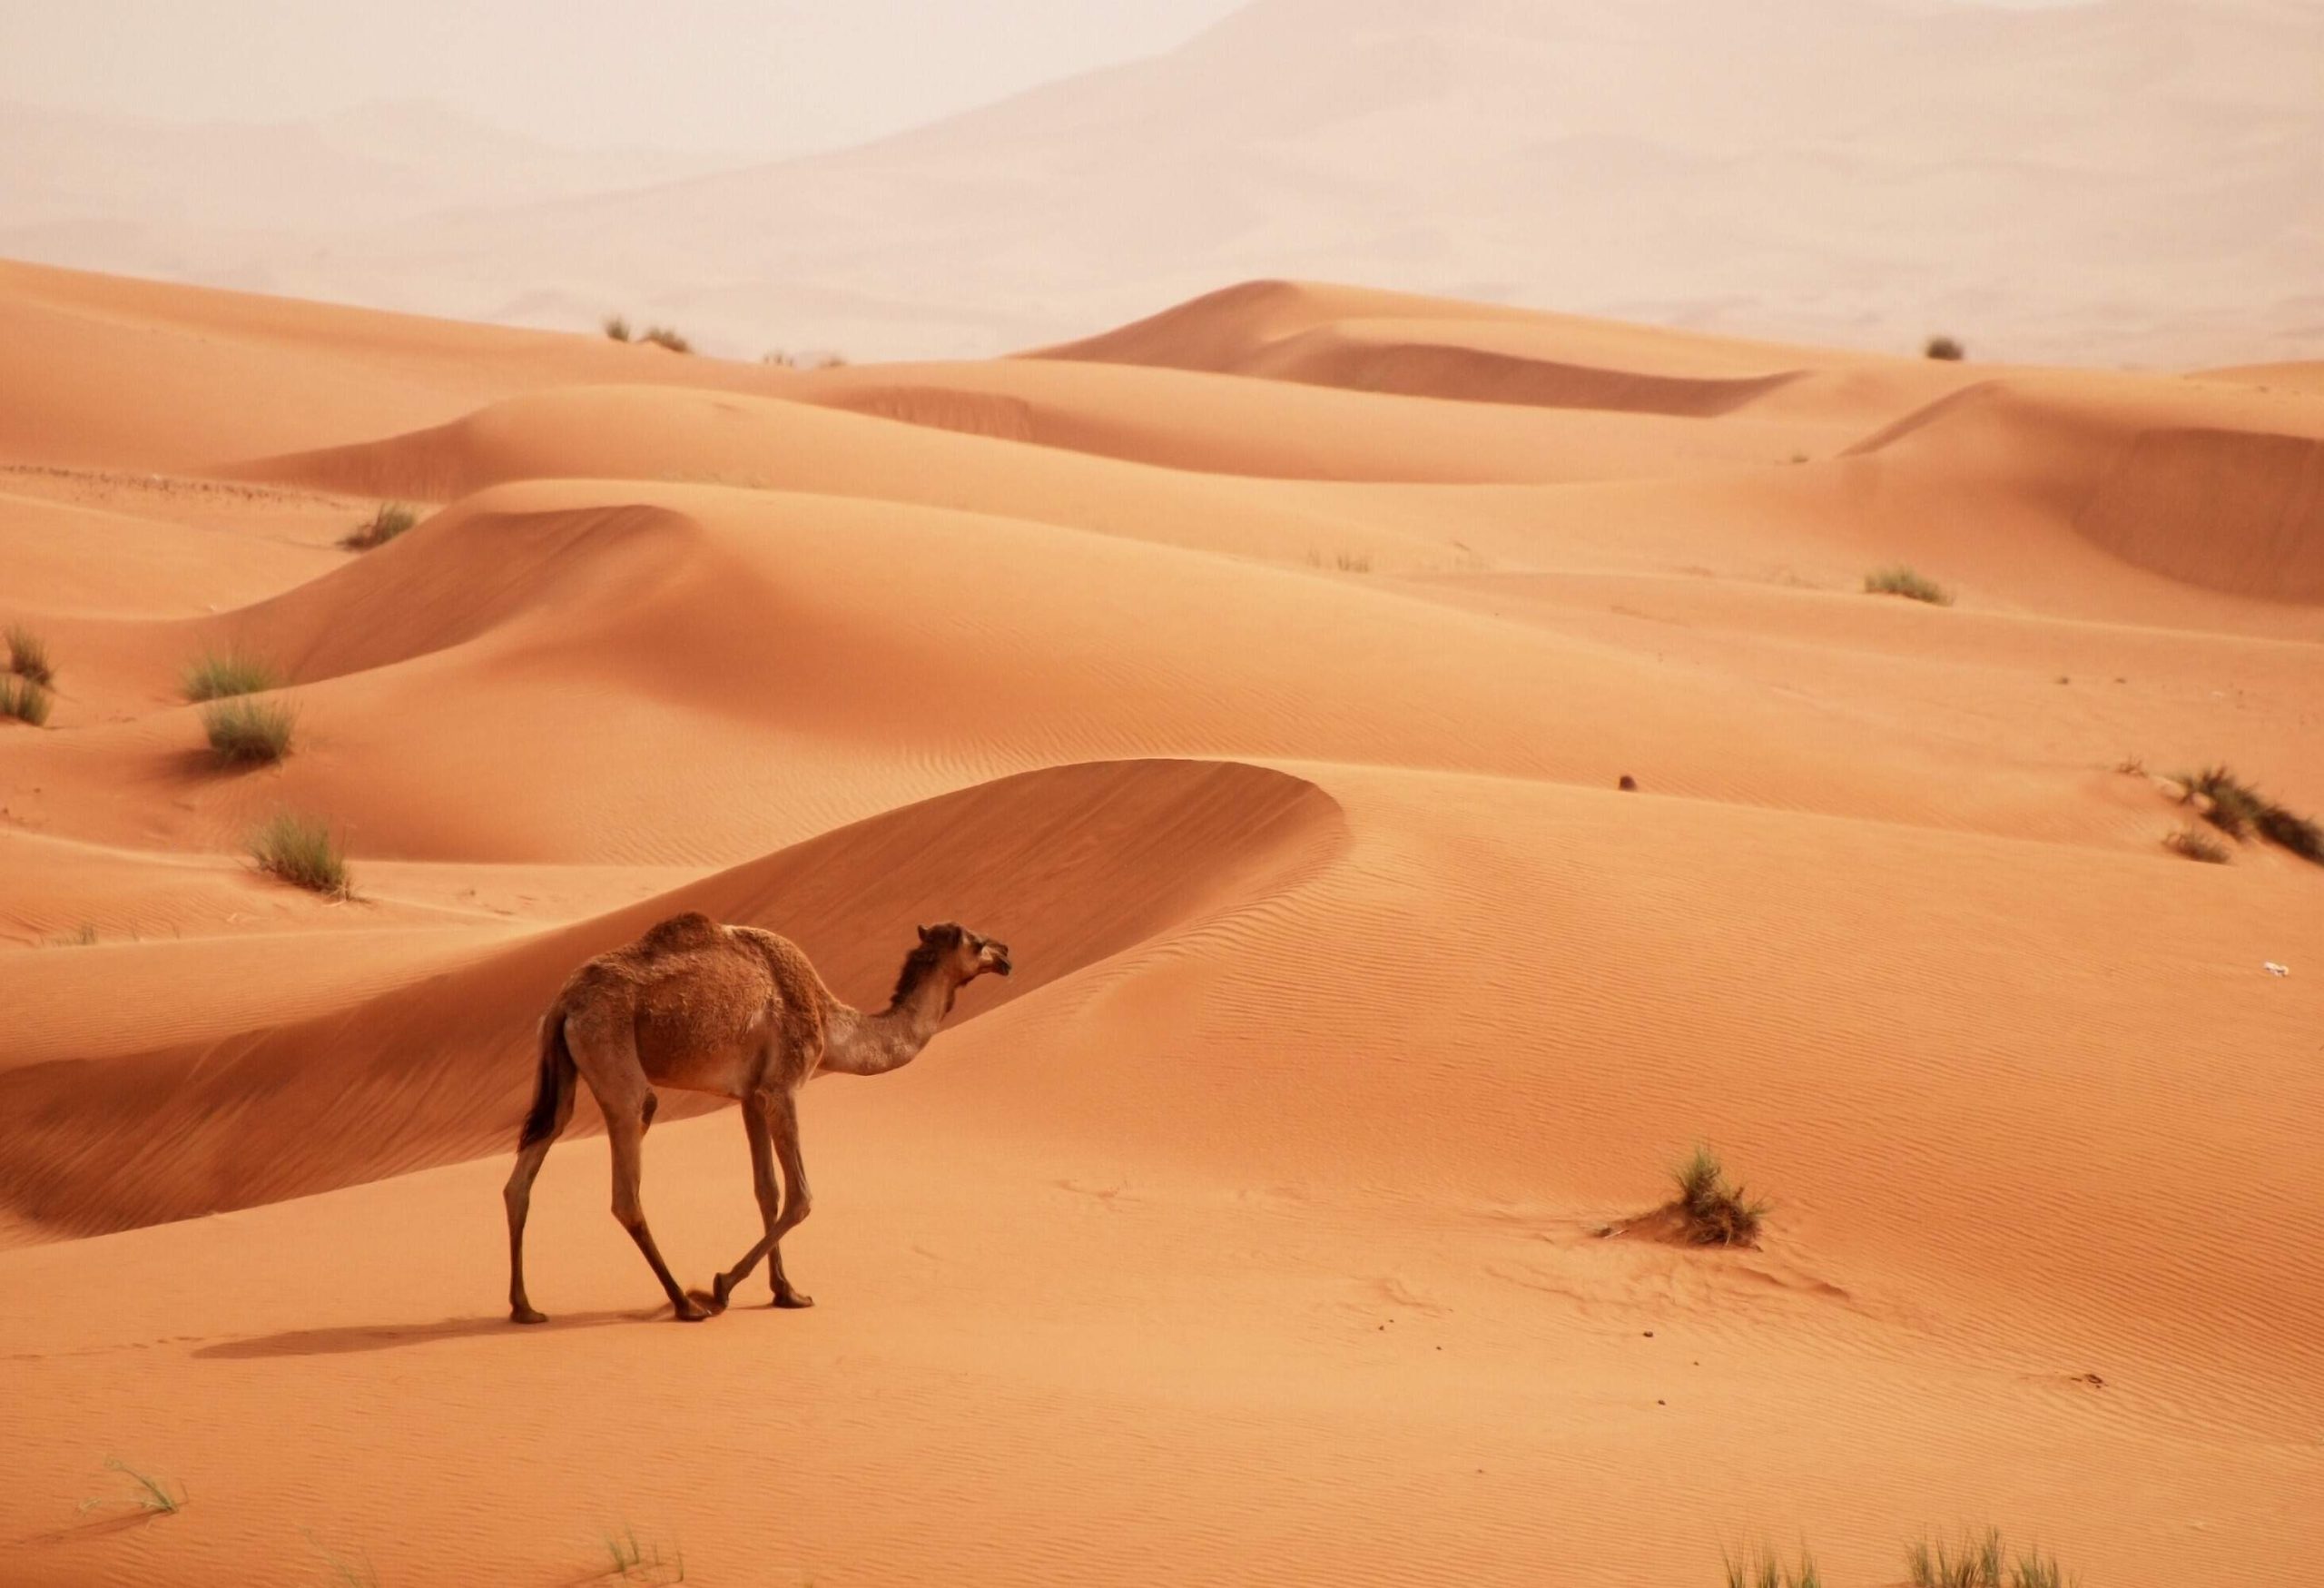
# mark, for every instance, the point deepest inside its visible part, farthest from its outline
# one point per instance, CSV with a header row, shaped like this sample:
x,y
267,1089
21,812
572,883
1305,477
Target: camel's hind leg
x,y
551,1111
608,1058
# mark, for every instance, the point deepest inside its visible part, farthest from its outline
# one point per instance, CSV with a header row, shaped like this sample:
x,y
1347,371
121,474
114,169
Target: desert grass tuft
x,y
28,656
215,675
2238,810
636,1562
1903,581
1979,1561
2197,844
246,731
349,1572
83,936
1714,1212
2297,833
23,700
663,336
387,522
616,327
302,851
1762,1568
147,1494
1945,348
2035,1570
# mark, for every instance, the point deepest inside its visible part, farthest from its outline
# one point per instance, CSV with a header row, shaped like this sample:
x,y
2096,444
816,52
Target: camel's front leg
x,y
783,1115
755,1124
782,1119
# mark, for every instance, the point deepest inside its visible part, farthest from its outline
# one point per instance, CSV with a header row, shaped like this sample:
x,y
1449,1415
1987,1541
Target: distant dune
x,y
2124,183
1266,672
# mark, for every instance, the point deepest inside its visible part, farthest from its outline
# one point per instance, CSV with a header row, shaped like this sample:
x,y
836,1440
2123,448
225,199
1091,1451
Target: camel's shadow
x,y
339,1342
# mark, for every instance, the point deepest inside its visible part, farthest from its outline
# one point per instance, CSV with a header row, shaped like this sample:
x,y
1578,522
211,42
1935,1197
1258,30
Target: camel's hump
x,y
694,930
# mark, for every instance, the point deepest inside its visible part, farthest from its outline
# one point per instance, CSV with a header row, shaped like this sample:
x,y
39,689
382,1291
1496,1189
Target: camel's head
x,y
963,953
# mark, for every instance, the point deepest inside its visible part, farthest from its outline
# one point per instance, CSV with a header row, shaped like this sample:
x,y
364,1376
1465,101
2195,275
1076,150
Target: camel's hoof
x,y
715,1300
722,1289
691,1311
526,1314
793,1299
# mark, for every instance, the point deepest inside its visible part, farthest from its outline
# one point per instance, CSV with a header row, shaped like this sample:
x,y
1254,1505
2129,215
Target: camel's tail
x,y
554,1090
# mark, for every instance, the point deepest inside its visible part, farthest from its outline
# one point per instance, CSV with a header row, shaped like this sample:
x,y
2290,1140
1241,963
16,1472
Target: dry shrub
x,y
1712,1212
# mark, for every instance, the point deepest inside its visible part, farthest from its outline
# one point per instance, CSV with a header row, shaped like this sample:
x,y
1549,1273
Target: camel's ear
x,y
925,933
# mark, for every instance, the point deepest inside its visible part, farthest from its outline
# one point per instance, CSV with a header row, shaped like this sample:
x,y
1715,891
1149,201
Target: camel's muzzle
x,y
999,966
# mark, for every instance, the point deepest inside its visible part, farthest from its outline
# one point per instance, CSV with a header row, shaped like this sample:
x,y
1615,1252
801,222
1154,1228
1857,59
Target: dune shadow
x,y
339,1342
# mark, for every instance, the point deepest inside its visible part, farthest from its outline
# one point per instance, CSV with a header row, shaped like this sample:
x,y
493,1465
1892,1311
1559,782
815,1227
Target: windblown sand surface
x,y
1263,674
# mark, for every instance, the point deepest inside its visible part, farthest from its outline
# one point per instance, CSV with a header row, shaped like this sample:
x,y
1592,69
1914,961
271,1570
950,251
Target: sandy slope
x,y
1263,674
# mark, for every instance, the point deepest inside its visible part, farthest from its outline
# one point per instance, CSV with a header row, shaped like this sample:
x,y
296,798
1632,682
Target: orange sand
x,y
1262,673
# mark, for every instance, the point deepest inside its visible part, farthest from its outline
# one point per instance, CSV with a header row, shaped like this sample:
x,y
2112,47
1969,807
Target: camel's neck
x,y
856,1044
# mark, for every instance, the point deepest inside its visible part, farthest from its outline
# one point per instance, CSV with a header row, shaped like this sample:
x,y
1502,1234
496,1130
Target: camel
x,y
737,1013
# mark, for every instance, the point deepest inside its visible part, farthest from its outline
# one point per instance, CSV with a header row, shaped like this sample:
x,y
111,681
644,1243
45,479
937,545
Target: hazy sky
x,y
750,76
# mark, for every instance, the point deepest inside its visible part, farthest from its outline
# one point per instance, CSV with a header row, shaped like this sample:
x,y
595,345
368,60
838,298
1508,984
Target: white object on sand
x,y
2276,970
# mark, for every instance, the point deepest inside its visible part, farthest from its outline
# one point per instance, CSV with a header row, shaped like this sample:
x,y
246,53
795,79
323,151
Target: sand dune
x,y
1389,341
1263,672
77,343
444,1058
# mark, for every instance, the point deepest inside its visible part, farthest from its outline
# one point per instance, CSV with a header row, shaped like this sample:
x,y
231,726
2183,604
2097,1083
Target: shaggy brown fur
x,y
737,1013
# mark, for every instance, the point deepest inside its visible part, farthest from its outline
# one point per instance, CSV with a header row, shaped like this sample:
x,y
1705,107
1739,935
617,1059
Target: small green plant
x,y
618,328
1903,581
23,699
2240,810
28,656
2197,844
1711,1211
1945,348
387,522
634,1562
300,850
1763,1569
146,1494
662,336
246,731
1981,1561
216,675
